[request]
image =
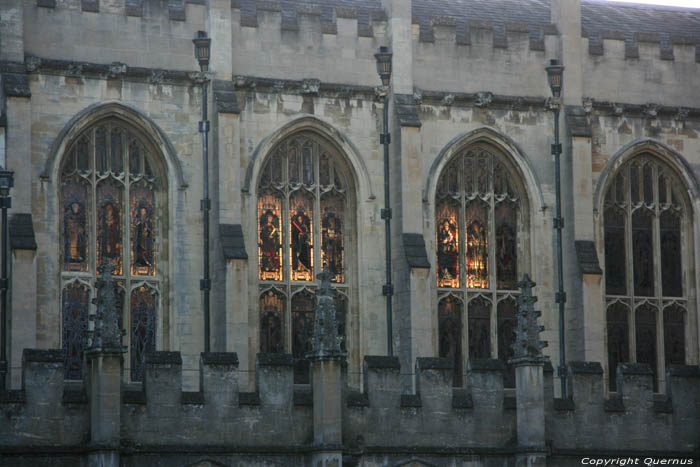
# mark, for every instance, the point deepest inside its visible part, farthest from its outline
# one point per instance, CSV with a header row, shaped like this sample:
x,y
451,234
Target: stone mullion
x,y
462,260
658,284
493,281
629,255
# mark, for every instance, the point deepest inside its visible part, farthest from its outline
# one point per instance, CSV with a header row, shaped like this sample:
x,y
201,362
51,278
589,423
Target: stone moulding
x,y
326,16
648,110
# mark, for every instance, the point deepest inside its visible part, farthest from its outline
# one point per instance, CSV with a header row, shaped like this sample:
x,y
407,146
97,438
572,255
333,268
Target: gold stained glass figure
x,y
477,246
301,238
269,237
143,238
447,245
332,237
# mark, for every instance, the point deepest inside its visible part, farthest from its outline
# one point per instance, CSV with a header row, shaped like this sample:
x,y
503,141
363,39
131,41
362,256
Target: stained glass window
x,y
506,337
111,209
618,339
644,254
76,300
479,214
302,333
450,334
304,226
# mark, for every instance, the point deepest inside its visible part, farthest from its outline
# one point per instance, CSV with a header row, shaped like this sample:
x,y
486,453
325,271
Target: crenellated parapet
x,y
157,416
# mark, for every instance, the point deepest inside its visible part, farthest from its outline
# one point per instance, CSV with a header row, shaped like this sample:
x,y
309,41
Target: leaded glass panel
x,y
618,340
644,217
143,328
674,335
76,301
506,337
450,334
479,213
271,322
479,314
304,225
302,333
111,215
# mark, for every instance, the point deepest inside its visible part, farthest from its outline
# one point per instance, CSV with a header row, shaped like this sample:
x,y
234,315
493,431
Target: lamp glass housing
x,y
383,57
202,46
555,72
6,182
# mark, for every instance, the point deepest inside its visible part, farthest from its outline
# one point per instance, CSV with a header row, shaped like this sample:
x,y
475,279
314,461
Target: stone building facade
x,y
101,102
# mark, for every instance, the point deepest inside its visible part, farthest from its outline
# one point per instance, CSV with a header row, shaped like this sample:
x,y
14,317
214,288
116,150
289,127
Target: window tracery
x,y
109,214
479,211
643,221
302,208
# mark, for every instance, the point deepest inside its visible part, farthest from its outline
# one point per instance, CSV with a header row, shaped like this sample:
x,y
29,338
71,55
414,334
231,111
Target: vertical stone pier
x,y
327,360
104,376
529,380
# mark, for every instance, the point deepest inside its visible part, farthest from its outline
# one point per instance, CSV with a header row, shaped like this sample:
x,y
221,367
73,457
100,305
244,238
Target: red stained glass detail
x,y
333,236
447,244
143,231
76,237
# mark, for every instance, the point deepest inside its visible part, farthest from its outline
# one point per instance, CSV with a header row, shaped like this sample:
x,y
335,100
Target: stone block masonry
x,y
51,419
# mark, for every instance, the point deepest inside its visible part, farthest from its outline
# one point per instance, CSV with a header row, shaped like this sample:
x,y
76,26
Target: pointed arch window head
x,y
112,208
480,215
303,207
645,230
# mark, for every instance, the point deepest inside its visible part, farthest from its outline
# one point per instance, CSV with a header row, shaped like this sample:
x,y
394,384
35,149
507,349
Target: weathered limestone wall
x,y
159,422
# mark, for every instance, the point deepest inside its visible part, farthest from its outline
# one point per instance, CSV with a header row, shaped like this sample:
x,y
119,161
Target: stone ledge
x,y
164,358
685,371
662,404
414,250
192,398
510,403
275,359
16,85
248,399
225,97
585,249
357,399
21,232
13,396
634,369
46,3
232,242
564,405
43,355
379,361
485,364
74,396
134,397
614,404
219,358
586,368
433,363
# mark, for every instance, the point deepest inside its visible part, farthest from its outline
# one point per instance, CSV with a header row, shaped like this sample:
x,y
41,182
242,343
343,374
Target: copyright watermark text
x,y
623,461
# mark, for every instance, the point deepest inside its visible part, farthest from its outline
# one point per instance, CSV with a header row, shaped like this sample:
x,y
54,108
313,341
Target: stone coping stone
x,y
380,361
135,397
462,399
687,371
275,359
411,401
192,398
433,363
548,368
614,404
662,404
586,367
219,358
248,398
485,364
564,404
303,396
634,369
357,399
164,358
13,396
43,355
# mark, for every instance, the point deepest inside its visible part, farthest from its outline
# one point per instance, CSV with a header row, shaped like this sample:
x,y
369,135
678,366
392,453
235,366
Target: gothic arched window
x,y
112,211
644,215
304,224
480,211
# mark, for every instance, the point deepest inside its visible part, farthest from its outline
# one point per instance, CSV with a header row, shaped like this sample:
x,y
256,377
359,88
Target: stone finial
x,y
326,341
106,337
528,346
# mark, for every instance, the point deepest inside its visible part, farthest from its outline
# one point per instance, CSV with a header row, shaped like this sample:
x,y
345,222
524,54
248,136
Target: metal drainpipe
x,y
560,296
205,283
388,288
5,203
